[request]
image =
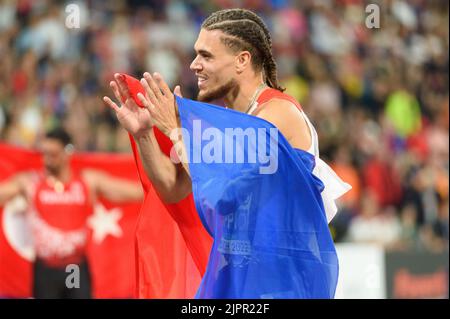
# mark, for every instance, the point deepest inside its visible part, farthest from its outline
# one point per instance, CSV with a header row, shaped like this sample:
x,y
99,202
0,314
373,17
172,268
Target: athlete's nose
x,y
195,65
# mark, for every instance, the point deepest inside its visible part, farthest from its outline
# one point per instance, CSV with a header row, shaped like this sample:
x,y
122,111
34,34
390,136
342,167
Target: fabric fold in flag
x,y
260,201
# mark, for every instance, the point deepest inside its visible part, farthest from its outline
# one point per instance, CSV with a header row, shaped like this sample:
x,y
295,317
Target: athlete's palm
x,y
134,119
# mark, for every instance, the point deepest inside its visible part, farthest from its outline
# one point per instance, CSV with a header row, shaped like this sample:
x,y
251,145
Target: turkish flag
x,y
112,228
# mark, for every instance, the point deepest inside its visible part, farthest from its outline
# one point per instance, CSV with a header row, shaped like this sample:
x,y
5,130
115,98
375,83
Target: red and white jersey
x,y
58,219
334,186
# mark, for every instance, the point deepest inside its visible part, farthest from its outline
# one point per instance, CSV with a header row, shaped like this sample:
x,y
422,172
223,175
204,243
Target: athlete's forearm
x,y
164,174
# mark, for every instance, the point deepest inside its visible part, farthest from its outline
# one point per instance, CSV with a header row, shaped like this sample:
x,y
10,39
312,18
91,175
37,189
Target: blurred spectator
x,y
374,225
381,178
409,228
403,111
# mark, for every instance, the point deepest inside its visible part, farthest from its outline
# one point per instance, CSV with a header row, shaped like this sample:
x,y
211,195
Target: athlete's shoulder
x,y
274,103
286,114
276,96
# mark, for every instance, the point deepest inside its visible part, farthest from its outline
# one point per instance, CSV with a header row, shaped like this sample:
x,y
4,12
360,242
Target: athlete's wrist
x,y
143,135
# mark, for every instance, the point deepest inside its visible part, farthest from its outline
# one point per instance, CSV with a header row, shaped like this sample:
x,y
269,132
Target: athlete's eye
x,y
205,55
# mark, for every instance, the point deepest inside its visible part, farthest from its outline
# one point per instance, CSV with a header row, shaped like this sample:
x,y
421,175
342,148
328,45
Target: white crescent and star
x,y
103,222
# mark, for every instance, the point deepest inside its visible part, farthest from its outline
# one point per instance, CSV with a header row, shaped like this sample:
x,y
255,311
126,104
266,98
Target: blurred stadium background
x,y
378,97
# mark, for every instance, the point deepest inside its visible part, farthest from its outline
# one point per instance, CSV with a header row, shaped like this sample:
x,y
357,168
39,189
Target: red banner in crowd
x,y
111,251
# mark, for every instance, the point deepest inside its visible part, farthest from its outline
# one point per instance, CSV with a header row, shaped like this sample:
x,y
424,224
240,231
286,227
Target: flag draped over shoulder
x,y
172,246
111,259
262,205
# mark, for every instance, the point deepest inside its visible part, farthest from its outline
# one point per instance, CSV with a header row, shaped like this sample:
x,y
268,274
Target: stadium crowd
x,y
378,97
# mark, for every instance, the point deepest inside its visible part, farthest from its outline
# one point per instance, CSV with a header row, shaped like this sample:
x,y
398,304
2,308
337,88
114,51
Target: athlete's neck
x,y
63,175
240,100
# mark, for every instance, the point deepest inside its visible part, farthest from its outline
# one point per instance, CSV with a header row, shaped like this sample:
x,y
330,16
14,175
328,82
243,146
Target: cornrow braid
x,y
247,32
238,14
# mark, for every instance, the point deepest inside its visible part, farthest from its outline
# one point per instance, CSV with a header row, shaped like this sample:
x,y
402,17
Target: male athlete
x,y
234,63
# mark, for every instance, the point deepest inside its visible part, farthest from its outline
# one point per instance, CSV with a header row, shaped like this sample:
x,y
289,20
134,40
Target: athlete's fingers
x,y
111,104
162,84
177,91
151,82
123,87
144,101
149,92
116,91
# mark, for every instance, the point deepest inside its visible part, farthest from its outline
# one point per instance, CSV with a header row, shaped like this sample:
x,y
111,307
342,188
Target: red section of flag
x,y
134,87
15,271
172,246
111,260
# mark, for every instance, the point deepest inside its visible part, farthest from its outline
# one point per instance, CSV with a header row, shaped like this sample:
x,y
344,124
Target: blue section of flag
x,y
271,237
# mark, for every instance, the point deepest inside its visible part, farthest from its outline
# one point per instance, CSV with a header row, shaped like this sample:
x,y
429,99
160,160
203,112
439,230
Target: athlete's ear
x,y
243,60
69,149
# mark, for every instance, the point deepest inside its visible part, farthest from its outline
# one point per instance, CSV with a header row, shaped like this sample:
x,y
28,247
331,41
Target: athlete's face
x,y
214,66
54,155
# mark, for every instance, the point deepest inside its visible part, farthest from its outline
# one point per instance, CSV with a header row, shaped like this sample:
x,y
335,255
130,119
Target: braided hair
x,y
245,31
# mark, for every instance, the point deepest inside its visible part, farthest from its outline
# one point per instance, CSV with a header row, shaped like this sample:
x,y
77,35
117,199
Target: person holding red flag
x,y
60,200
